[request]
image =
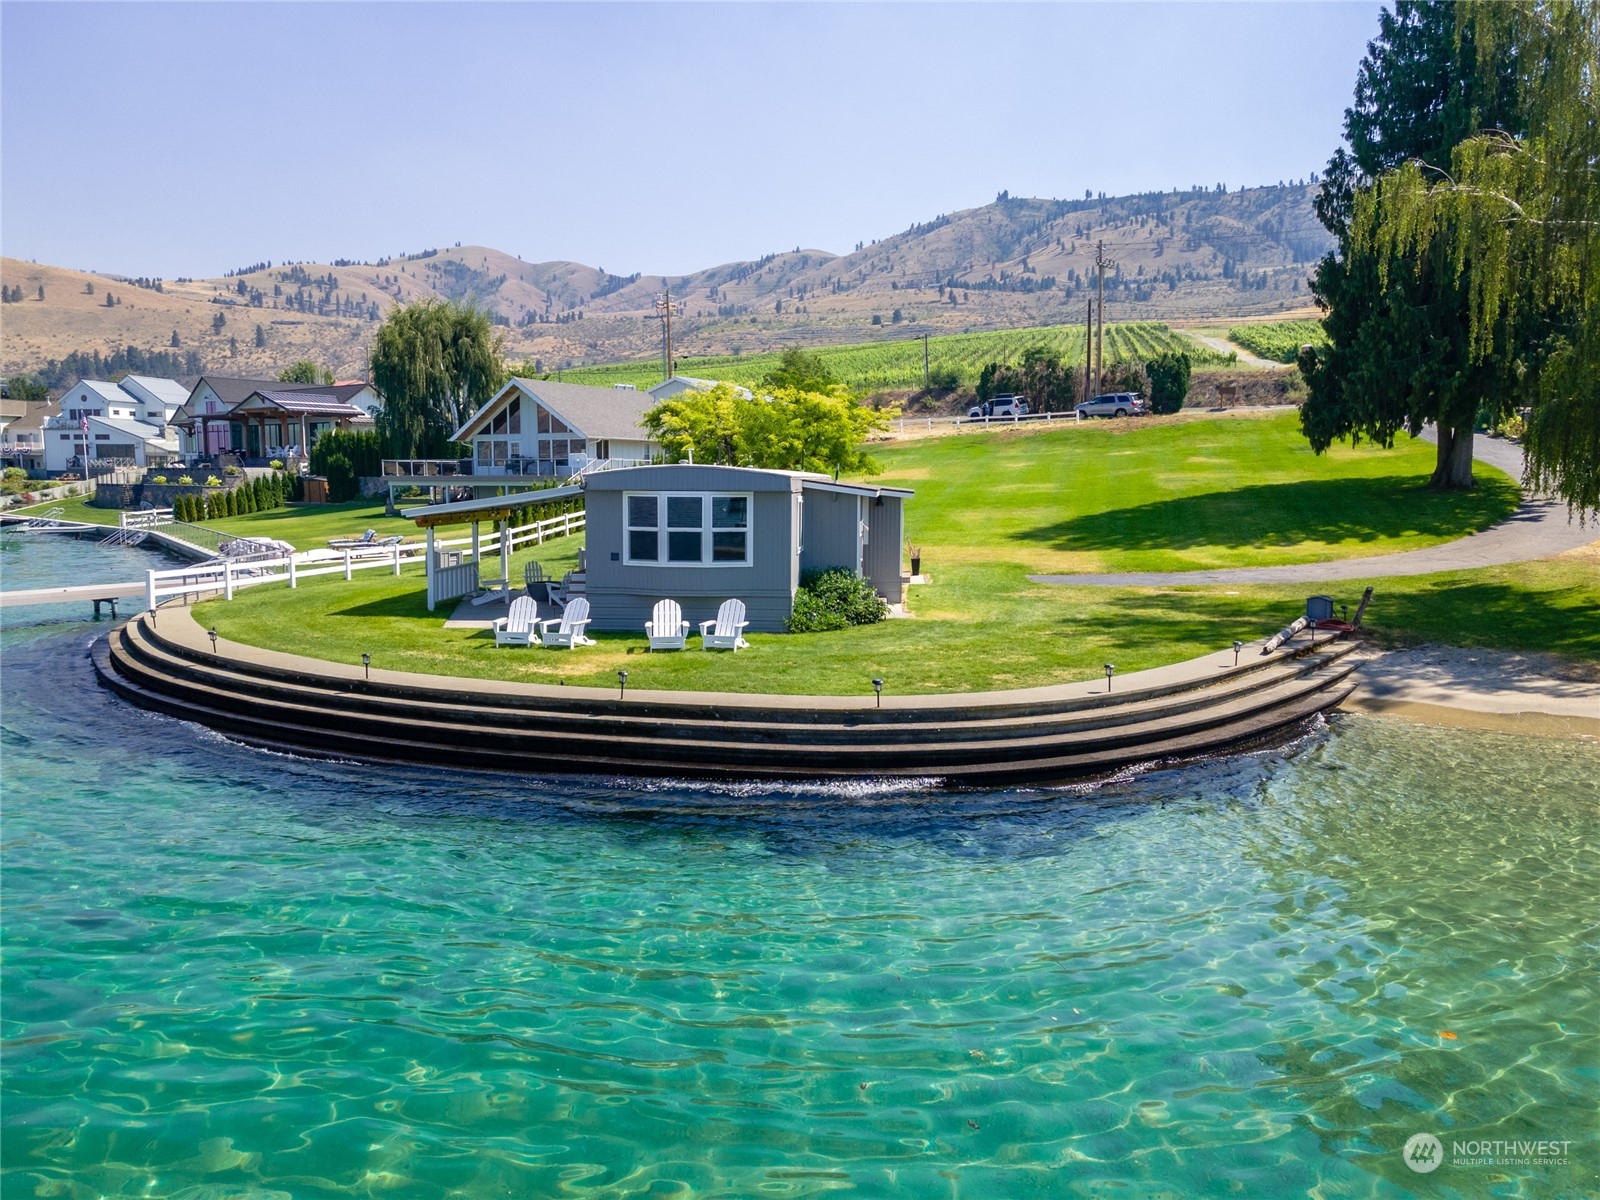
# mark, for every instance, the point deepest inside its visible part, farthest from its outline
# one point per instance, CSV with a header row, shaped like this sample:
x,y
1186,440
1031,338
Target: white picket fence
x,y
227,577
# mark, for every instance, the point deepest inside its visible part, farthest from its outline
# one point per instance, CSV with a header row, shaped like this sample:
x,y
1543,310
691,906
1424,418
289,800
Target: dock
x,y
96,593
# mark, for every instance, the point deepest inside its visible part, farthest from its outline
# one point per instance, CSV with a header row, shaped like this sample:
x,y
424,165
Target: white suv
x,y
1000,406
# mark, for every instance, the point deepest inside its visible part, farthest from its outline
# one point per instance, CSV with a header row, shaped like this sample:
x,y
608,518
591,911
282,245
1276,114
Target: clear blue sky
x,y
186,139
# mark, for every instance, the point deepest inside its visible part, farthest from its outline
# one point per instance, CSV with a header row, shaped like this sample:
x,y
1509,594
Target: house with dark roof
x,y
541,427
270,422
209,425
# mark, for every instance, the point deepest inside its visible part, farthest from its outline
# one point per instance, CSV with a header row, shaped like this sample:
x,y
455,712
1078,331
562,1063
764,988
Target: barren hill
x,y
1015,262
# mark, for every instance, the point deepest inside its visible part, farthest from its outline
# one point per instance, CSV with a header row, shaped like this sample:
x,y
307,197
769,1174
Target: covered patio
x,y
271,423
456,572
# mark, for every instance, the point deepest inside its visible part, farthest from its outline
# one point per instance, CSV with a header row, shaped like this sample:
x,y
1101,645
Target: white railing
x,y
915,424
228,576
144,518
605,464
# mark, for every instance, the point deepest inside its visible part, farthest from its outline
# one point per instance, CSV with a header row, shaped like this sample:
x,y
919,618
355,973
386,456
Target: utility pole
x,y
1101,262
925,377
1088,350
664,306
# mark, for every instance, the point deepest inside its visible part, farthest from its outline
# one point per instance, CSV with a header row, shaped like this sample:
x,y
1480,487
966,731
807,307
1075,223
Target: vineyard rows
x,y
953,359
1279,341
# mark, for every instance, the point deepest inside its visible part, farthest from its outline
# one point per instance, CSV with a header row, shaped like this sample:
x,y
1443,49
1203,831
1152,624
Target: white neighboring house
x,y
104,420
540,427
159,399
678,384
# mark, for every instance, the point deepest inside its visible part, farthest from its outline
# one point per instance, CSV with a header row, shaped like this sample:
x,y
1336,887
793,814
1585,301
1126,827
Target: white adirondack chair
x,y
516,627
666,628
727,631
566,631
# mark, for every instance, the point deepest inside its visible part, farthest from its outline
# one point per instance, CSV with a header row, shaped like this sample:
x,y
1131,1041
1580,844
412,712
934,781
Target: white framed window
x,y
687,529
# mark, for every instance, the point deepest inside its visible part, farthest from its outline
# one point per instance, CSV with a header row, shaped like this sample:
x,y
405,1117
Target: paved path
x,y
1538,529
1225,347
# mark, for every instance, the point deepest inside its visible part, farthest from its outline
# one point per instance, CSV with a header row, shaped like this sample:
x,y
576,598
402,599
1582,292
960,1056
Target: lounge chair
x,y
533,579
516,627
351,543
666,628
566,631
727,631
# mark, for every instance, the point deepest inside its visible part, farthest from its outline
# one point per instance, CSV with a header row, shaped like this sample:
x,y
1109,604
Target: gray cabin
x,y
702,534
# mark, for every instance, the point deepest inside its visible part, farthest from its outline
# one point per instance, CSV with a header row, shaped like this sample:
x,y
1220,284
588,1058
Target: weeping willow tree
x,y
1516,220
434,362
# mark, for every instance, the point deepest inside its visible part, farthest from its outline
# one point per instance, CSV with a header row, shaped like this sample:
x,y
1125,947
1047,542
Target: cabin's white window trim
x,y
717,521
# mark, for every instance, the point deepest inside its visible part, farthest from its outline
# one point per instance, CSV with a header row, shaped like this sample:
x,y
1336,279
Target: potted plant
x,y
916,559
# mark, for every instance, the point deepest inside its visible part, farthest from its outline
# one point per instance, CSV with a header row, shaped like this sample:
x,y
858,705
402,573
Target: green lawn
x,y
1177,495
993,508
1031,634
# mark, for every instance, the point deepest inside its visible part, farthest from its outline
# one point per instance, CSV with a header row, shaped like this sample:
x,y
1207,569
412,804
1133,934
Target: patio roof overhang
x,y
485,508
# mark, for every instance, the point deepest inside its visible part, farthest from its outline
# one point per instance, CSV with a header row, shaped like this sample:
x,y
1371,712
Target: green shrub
x,y
834,599
1169,381
186,480
276,464
213,481
341,477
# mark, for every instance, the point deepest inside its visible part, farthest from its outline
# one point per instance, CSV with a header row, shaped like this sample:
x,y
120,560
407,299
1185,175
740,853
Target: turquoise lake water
x,y
230,973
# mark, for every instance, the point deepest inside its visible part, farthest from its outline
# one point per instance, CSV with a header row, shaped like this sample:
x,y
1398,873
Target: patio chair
x,y
566,631
666,628
534,580
727,631
516,627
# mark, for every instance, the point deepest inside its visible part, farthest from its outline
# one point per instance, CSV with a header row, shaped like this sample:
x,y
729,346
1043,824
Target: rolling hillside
x,y
1013,263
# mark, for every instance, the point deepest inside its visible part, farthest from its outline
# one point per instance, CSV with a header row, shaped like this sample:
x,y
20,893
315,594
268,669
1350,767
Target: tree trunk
x,y
1453,465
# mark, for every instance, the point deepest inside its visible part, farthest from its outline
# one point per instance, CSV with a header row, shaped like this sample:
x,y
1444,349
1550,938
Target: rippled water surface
x,y
230,973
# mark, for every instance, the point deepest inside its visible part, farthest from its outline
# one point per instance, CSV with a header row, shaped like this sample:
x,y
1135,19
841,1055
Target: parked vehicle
x,y
1000,406
1114,404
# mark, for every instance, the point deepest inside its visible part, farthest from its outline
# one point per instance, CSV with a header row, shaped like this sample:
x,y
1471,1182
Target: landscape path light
x,y
1110,671
1237,646
877,687
622,684
366,663
212,634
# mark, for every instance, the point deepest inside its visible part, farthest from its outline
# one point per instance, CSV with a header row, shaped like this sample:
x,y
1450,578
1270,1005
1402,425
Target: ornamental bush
x,y
834,599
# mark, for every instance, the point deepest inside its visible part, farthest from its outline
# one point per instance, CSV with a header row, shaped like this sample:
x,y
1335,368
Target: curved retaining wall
x,y
164,661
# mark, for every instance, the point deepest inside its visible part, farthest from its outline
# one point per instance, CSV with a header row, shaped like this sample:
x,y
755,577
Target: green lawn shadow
x,y
1287,514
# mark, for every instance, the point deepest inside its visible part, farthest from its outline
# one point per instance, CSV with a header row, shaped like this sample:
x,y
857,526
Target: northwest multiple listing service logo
x,y
1424,1153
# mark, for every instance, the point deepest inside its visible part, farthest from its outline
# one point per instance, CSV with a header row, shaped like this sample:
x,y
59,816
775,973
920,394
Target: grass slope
x,y
992,509
1176,494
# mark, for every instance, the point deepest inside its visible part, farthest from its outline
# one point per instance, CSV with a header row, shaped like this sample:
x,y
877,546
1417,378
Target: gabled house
x,y
96,419
541,427
22,439
159,399
678,384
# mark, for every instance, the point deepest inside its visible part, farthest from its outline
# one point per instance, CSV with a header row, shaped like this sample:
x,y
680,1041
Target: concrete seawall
x,y
164,661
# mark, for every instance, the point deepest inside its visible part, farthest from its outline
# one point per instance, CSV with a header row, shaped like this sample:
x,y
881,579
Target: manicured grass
x,y
993,508
308,527
1176,494
74,508
1029,634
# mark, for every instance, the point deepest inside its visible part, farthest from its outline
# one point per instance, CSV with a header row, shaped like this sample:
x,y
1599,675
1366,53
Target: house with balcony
x,y
541,427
